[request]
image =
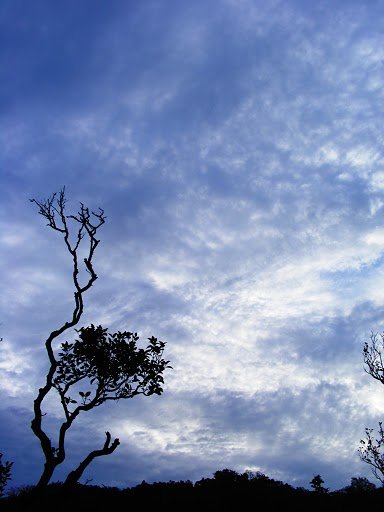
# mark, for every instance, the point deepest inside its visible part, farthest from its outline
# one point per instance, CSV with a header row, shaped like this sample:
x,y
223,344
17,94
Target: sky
x,y
236,147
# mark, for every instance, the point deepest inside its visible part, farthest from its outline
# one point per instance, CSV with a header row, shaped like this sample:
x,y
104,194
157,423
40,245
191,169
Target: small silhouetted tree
x,y
317,484
98,366
5,469
371,448
5,474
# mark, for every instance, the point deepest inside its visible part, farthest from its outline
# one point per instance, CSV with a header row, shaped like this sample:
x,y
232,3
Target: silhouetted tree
x,y
317,484
360,485
5,469
371,448
5,474
111,365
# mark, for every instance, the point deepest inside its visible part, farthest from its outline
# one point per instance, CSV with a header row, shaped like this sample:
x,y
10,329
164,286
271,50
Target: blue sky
x,y
237,149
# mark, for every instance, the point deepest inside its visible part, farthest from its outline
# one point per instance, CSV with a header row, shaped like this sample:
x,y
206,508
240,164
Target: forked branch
x,y
107,449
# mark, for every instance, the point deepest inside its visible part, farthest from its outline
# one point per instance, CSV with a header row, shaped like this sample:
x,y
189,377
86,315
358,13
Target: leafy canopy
x,y
112,363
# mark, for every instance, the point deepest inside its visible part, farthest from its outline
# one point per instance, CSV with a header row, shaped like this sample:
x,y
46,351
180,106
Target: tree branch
x,y
107,449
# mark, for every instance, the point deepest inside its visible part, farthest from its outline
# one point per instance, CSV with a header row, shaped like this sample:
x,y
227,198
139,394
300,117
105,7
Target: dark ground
x,y
227,491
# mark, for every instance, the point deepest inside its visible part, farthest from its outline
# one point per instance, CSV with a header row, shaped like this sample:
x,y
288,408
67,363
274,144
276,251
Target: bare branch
x,y
48,209
107,449
370,451
373,357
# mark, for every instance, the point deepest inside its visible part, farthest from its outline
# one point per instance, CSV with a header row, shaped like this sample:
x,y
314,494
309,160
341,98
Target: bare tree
x,y
371,448
110,364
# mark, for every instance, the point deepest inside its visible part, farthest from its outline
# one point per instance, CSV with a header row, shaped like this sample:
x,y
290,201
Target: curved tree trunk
x,y
49,468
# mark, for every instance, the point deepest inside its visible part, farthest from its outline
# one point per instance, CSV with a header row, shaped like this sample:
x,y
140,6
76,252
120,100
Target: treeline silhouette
x,y
226,491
